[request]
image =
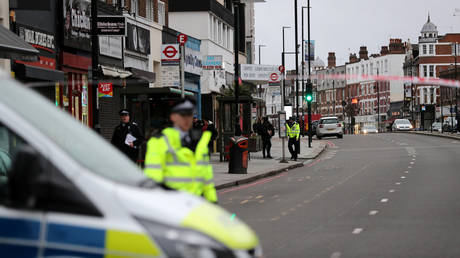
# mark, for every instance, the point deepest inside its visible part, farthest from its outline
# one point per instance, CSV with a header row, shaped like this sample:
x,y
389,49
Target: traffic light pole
x,y
94,66
309,85
236,47
296,61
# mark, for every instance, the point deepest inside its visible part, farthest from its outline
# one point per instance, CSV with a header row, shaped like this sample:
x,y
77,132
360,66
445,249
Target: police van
x,y
66,192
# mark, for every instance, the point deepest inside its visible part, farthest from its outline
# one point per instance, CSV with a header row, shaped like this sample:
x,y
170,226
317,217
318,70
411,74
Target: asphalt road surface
x,y
385,195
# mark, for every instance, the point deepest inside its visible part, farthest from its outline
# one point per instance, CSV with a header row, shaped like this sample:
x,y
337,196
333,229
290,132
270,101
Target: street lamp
x,y
259,90
260,46
303,69
296,61
283,92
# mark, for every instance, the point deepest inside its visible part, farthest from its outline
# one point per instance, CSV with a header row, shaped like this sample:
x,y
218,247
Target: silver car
x,y
402,125
367,129
329,126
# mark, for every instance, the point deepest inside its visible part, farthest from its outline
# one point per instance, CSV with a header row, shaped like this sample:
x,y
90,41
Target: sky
x,y
342,26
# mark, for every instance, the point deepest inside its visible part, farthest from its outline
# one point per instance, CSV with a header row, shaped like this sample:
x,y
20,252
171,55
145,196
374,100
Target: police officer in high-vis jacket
x,y
293,133
178,157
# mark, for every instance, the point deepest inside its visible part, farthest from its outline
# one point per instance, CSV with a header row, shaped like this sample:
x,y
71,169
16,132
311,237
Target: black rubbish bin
x,y
238,162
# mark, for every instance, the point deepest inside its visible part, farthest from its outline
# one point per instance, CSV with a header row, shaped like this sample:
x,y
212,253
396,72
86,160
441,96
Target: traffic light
x,y
309,95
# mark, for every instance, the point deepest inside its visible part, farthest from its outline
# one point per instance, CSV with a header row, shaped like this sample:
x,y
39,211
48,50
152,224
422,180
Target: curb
x,y
266,174
438,135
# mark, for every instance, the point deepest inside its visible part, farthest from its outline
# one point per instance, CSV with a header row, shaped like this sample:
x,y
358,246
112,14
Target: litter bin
x,y
238,162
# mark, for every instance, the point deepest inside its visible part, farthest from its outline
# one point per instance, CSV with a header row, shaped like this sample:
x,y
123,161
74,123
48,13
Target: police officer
x,y
127,136
293,132
178,157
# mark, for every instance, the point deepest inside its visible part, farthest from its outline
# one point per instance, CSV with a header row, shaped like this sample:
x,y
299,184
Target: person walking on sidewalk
x,y
293,132
178,157
266,132
127,136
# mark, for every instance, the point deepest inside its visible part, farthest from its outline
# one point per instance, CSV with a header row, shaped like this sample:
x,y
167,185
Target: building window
x,y
425,72
431,50
135,7
431,70
424,49
219,33
215,29
386,66
210,26
432,95
425,96
161,13
149,9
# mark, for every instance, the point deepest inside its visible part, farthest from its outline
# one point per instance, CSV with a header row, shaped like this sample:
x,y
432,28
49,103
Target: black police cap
x,y
184,106
124,111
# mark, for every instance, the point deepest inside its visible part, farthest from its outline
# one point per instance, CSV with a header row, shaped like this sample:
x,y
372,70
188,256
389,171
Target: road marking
x,y
275,218
413,159
391,191
260,196
384,200
243,202
414,156
410,150
397,183
403,177
284,213
261,201
411,162
407,172
336,255
409,167
299,205
372,213
357,231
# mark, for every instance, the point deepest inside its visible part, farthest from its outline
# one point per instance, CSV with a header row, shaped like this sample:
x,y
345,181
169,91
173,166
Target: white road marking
x,y
397,183
372,213
411,162
384,200
357,231
391,191
409,167
407,172
336,255
403,177
413,159
411,151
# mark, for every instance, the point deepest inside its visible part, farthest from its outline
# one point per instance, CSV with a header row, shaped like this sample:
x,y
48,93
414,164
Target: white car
x,y
402,125
367,129
329,126
66,192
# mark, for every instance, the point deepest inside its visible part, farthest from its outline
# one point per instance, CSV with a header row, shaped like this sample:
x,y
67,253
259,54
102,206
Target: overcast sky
x,y
342,26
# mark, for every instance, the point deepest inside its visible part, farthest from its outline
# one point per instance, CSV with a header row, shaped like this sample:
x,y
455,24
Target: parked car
x,y
402,125
367,129
329,126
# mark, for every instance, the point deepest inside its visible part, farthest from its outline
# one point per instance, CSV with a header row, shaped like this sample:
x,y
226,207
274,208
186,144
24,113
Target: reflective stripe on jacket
x,y
293,132
178,167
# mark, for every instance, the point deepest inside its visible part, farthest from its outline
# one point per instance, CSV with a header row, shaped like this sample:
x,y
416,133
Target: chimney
x,y
363,53
384,51
331,60
353,58
396,46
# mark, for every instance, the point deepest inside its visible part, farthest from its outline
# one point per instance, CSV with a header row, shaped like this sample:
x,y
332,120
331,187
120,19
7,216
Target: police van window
x,y
10,143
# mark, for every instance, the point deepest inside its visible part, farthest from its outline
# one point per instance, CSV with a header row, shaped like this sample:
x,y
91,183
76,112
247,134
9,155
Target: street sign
x,y
170,52
111,26
182,39
105,90
281,69
274,77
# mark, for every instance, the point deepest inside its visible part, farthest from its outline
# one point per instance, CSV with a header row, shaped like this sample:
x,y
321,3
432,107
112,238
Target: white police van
x,y
66,192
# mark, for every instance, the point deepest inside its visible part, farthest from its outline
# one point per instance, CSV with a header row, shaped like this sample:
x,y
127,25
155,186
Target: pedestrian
x,y
256,126
293,132
178,157
209,126
127,136
266,132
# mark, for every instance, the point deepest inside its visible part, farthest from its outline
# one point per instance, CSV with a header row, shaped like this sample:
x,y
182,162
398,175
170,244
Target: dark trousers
x,y
266,145
293,142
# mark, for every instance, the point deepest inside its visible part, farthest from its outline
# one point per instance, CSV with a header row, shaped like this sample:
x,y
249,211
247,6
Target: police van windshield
x,y
80,143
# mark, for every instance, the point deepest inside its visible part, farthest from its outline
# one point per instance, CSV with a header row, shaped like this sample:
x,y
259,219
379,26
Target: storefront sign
x,y
36,37
138,39
111,46
77,24
111,26
105,90
170,53
193,61
212,62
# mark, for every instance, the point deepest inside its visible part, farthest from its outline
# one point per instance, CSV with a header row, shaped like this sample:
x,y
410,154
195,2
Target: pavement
x,y
383,195
455,136
260,168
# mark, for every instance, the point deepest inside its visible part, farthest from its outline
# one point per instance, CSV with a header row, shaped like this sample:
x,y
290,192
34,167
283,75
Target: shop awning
x,y
138,89
15,48
42,74
115,72
141,74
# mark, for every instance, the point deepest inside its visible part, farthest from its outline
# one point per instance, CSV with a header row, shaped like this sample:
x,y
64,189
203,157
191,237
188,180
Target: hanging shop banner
x,y
77,24
111,25
138,39
193,61
105,90
310,46
212,62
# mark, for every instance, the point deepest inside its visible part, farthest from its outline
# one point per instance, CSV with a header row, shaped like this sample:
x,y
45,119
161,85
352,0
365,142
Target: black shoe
x,y
269,157
295,159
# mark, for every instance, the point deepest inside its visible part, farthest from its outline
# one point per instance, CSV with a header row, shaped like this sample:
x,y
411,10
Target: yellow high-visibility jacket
x,y
178,167
294,131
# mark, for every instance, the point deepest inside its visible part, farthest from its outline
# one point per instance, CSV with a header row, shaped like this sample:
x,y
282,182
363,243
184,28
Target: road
x,y
385,195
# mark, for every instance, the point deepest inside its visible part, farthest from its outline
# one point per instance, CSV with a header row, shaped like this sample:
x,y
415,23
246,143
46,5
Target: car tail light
x,y
339,125
320,126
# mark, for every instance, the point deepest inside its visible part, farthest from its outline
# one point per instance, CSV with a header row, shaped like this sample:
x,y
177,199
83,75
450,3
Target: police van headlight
x,y
184,243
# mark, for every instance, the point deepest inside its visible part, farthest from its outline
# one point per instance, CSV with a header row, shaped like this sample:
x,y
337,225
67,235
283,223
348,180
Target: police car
x,y
66,192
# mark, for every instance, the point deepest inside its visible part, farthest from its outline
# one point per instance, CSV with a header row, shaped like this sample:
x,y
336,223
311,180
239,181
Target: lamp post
x,y
236,48
260,46
283,62
303,70
296,60
259,90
